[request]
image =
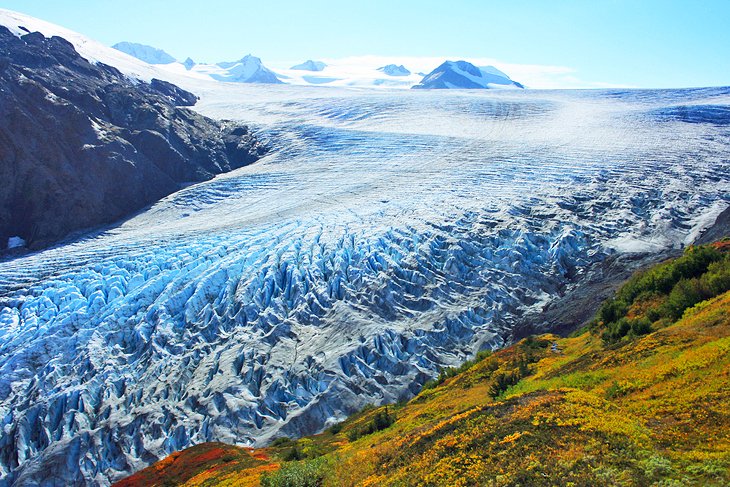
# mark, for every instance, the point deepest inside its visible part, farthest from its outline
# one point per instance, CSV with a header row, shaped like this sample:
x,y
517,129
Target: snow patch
x,y
15,242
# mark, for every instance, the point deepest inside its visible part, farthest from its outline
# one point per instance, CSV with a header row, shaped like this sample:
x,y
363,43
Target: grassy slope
x,y
643,410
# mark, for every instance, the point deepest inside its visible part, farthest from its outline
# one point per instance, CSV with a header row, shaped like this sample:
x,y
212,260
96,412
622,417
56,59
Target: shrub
x,y
711,468
699,274
625,327
616,390
612,310
685,294
502,382
717,279
310,473
381,420
640,326
281,441
292,454
656,466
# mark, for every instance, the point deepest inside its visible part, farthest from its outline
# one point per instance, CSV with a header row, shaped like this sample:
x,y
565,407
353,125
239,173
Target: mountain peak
x,y
148,54
395,70
248,69
310,65
464,75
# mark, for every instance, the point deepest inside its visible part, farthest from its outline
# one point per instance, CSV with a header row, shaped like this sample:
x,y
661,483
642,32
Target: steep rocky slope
x,y
82,145
644,406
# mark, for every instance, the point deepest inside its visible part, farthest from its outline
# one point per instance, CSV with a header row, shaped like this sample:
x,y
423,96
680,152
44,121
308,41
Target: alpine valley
x,y
238,254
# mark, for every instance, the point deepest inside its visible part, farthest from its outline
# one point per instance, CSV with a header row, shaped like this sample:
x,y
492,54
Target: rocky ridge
x,y
82,145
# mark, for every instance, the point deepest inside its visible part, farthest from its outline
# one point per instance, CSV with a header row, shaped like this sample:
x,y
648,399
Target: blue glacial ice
x,y
386,236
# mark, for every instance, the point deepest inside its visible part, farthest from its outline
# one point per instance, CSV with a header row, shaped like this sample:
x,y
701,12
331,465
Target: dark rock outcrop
x,y
81,145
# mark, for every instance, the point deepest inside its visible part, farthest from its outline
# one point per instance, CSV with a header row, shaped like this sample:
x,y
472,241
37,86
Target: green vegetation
x,y
519,367
309,473
663,293
382,420
282,441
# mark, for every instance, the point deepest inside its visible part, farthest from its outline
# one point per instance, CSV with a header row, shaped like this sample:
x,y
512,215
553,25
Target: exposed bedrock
x,y
81,145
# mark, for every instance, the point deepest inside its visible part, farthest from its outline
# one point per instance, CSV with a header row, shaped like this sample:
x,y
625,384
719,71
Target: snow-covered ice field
x,y
386,235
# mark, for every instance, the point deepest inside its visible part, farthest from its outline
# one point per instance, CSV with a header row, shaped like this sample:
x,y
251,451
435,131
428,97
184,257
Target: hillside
x,y
641,396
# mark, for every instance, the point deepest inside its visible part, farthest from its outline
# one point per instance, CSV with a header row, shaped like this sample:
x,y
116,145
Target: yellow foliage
x,y
650,410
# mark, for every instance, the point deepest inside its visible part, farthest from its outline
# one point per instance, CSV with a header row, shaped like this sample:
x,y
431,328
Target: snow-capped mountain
x,y
360,72
248,69
95,52
464,75
144,53
395,70
351,72
309,66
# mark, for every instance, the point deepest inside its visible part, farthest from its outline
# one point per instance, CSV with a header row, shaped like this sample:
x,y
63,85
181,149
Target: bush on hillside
x,y
309,473
699,274
381,420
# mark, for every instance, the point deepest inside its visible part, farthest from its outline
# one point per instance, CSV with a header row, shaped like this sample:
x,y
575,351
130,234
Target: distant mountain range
x,y
250,69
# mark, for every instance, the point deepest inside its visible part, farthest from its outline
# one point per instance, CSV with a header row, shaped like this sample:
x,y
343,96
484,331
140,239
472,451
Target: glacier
x,y
386,235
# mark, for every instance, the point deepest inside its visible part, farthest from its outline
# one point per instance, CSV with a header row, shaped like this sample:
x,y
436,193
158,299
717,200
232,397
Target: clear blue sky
x,y
646,43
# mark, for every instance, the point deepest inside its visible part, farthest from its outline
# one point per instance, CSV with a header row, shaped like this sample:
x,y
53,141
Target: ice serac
x,y
148,54
464,75
395,70
310,66
248,69
82,145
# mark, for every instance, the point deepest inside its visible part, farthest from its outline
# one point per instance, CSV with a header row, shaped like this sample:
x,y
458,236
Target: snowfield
x,y
386,235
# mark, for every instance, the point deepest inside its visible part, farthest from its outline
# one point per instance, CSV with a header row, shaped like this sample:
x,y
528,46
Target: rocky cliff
x,y
82,145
